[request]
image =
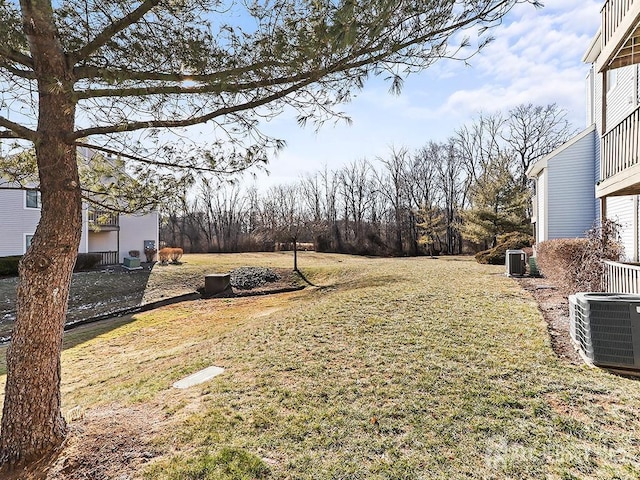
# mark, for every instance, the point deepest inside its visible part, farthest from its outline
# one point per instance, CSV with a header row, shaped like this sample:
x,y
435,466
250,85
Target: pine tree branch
x,y
110,31
15,56
187,122
160,163
15,130
92,73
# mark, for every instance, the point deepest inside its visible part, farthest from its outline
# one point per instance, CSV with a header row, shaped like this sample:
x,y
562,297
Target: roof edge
x,y
541,164
595,47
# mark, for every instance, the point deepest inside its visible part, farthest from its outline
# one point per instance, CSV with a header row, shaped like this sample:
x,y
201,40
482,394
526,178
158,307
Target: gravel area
x,y
246,278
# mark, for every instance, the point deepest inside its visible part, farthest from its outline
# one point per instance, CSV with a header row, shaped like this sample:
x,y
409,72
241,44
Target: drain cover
x,y
198,377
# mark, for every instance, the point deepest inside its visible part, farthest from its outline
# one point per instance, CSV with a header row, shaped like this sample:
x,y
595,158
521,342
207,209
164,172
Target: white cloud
x,y
535,58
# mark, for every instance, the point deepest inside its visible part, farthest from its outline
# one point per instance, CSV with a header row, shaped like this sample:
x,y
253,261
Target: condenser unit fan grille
x,y
611,333
606,328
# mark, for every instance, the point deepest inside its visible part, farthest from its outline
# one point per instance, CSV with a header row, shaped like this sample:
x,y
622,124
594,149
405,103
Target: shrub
x,y
575,265
9,265
508,241
166,253
134,253
150,253
87,261
176,255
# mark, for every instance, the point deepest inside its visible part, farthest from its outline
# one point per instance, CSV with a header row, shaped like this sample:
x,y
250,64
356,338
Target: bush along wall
x,y
9,265
576,264
508,241
87,261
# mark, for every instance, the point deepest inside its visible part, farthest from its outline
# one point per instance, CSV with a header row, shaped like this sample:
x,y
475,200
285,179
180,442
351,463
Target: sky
x,y
536,57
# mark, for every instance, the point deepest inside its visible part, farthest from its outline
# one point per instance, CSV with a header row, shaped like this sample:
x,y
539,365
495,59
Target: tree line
x,y
444,198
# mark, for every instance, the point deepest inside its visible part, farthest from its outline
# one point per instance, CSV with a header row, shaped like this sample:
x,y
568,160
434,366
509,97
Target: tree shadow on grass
x,y
93,294
305,279
79,335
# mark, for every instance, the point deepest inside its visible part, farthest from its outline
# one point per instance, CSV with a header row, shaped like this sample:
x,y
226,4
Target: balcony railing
x,y
108,258
621,146
621,278
103,219
613,13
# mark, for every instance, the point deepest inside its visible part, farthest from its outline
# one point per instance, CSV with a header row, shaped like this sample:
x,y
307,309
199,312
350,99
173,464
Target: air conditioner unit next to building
x,y
606,328
516,262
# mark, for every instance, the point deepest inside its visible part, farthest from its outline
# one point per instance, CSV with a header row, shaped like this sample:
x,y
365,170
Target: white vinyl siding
x,y
135,229
571,192
590,100
16,221
620,99
622,211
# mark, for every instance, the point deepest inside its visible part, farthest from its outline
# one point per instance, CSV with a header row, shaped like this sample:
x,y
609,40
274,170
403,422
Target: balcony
x,y
620,34
103,220
620,159
107,258
621,278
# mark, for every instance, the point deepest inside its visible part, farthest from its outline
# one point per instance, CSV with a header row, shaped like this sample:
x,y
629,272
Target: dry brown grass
x,y
392,369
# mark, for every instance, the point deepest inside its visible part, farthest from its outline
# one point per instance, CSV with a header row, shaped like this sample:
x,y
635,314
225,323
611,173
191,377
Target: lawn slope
x,y
390,369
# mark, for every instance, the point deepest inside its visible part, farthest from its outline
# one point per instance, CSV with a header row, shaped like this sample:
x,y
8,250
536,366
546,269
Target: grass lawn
x,y
391,369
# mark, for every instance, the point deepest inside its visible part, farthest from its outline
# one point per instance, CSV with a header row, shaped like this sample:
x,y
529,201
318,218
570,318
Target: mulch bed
x,y
555,310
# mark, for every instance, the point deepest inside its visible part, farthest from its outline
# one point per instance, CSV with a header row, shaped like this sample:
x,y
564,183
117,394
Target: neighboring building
x,y
111,234
613,115
564,201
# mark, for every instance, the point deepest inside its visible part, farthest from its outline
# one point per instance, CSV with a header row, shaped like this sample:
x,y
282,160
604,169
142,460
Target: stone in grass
x,y
198,377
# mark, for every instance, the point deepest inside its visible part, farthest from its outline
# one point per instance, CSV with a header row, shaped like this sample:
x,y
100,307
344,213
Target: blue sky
x,y
535,58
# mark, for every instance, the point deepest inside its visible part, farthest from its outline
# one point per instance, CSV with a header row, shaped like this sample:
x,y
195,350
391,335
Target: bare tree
x,y
479,143
533,131
356,189
285,216
393,186
426,195
453,179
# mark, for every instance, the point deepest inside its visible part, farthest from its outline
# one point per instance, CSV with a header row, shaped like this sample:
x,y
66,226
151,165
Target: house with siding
x,y
564,200
565,203
110,234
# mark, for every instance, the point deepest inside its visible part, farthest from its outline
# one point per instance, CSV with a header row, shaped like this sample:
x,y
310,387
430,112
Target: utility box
x,y
516,262
533,267
132,262
216,283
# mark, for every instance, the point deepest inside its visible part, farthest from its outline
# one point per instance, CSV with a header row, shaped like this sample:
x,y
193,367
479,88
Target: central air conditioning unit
x,y
606,328
515,261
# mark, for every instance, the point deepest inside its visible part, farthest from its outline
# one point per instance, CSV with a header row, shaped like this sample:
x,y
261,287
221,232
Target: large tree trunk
x,y
32,422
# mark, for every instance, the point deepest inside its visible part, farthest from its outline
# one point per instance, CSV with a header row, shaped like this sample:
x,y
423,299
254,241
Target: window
x,y
612,79
27,242
33,199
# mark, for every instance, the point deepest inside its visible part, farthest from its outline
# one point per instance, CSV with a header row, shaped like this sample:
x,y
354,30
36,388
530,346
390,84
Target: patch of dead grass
x,y
439,369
